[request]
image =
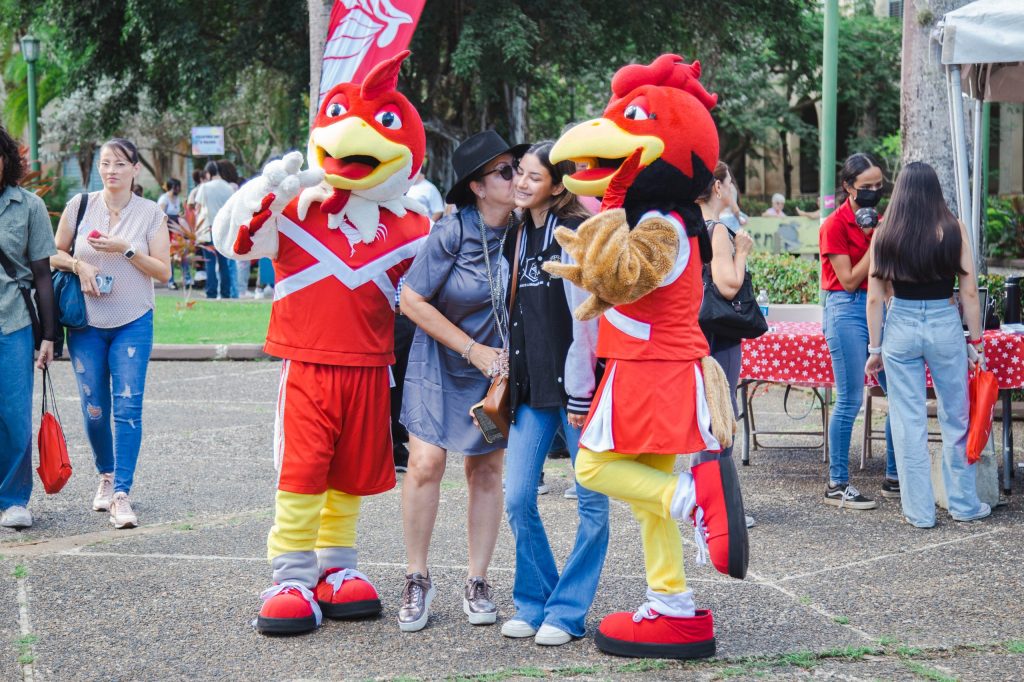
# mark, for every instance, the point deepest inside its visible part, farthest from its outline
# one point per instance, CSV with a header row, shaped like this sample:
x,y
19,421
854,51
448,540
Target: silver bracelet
x,y
465,353
874,350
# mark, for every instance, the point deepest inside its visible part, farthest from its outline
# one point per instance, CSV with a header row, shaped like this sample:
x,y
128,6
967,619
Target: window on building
x,y
896,9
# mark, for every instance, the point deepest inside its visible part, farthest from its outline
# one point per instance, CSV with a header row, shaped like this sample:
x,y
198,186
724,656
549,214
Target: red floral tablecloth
x,y
796,353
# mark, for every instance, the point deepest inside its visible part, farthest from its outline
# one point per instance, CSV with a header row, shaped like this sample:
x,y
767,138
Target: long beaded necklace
x,y
497,289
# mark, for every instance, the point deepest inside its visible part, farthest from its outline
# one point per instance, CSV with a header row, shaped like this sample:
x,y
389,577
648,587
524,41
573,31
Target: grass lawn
x,y
210,321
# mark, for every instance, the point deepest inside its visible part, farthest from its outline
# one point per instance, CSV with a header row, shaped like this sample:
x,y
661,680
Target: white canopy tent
x,y
983,54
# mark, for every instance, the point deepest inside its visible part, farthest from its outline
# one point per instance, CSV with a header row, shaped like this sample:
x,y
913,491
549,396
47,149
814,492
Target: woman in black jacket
x,y
551,374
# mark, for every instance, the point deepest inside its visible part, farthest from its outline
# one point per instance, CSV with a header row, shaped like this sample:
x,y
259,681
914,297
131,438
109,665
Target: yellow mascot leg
x,y
292,539
663,544
630,478
338,520
647,484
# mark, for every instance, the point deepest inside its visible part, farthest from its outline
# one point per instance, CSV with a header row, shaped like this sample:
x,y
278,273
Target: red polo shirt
x,y
841,236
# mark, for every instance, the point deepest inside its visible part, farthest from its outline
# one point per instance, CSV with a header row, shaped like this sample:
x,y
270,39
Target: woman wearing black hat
x,y
455,294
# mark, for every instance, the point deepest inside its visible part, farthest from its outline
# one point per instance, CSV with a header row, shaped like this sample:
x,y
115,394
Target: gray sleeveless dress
x,y
440,386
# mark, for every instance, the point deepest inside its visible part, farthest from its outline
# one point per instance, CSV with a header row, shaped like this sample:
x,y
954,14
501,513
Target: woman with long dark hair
x,y
920,252
26,244
729,251
844,272
551,375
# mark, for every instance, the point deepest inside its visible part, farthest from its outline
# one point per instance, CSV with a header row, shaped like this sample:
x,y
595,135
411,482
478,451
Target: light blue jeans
x,y
110,365
845,326
539,593
16,418
919,333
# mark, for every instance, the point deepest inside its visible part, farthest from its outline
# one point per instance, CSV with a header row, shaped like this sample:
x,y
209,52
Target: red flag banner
x,y
364,33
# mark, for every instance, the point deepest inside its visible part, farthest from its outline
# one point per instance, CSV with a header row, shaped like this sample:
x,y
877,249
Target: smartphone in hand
x,y
490,430
105,283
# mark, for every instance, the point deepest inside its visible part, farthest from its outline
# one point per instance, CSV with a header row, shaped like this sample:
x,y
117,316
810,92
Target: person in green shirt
x,y
26,244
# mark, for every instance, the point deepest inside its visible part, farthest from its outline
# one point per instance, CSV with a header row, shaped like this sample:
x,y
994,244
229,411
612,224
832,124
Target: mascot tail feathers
x,y
716,388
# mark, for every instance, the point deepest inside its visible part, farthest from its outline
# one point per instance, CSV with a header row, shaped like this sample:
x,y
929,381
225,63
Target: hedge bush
x,y
786,278
1004,227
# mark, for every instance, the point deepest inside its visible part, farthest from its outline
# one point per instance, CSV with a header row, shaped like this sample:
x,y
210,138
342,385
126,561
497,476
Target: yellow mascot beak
x,y
602,146
355,156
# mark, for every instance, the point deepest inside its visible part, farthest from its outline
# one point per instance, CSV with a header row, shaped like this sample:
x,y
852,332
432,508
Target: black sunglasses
x,y
504,170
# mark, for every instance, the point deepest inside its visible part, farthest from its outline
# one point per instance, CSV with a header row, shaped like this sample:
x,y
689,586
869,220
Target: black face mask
x,y
868,198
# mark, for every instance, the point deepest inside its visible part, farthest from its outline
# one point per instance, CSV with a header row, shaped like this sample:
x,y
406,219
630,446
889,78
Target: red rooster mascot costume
x,y
661,395
341,234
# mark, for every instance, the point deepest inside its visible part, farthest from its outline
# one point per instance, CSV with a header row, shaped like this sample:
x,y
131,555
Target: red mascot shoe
x,y
648,634
720,507
288,609
347,593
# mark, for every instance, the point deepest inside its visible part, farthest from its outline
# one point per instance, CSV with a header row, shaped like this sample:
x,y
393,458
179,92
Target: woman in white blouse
x,y
119,248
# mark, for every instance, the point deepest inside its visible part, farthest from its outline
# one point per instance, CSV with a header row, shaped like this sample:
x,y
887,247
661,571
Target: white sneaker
x,y
549,635
570,493
258,295
104,492
121,514
517,629
542,487
16,517
751,522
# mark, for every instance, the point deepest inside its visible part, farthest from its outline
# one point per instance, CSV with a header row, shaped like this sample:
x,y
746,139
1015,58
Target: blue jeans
x,y
846,332
110,365
539,593
16,418
265,273
222,271
916,333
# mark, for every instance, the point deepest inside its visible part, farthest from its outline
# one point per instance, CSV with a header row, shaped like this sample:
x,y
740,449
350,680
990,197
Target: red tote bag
x,y
54,465
983,392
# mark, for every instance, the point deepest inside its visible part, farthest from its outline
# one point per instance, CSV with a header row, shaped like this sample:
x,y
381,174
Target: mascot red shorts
x,y
333,429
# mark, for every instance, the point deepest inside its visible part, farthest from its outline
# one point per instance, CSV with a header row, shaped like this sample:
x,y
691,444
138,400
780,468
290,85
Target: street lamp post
x,y
30,51
829,80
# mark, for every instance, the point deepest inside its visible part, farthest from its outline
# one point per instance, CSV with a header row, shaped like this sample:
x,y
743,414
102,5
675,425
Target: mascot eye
x,y
636,113
336,109
389,119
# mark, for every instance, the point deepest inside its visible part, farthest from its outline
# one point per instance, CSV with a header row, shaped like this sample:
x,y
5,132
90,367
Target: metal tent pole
x,y
976,194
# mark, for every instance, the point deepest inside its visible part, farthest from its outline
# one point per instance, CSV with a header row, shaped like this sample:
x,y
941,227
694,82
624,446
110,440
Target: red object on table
x,y
795,353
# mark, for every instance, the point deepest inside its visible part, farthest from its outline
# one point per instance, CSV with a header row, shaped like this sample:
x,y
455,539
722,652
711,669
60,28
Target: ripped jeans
x,y
110,366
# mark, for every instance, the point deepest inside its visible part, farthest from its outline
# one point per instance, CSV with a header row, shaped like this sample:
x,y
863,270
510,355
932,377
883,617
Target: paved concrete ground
x,y
831,594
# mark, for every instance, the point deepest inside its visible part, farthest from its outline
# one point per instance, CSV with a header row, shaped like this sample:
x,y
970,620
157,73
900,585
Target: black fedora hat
x,y
472,155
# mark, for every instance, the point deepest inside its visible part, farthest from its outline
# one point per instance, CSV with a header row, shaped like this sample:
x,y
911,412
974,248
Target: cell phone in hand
x,y
104,283
490,430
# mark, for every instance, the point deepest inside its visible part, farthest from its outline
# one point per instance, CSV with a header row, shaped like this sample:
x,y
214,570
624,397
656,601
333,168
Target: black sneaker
x,y
401,458
559,454
890,488
845,495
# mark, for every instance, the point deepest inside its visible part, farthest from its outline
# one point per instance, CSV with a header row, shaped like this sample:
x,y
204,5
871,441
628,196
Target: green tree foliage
x,y
178,60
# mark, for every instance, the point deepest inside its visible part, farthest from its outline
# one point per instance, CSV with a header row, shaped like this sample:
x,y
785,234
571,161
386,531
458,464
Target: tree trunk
x,y
924,106
319,22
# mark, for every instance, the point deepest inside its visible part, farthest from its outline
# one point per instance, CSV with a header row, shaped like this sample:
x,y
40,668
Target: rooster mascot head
x,y
370,143
661,112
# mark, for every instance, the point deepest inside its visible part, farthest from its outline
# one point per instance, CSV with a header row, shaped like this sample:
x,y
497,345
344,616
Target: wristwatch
x,y
130,253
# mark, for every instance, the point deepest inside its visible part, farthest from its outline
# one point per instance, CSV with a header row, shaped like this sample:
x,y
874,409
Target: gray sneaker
x,y
477,602
19,517
416,598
